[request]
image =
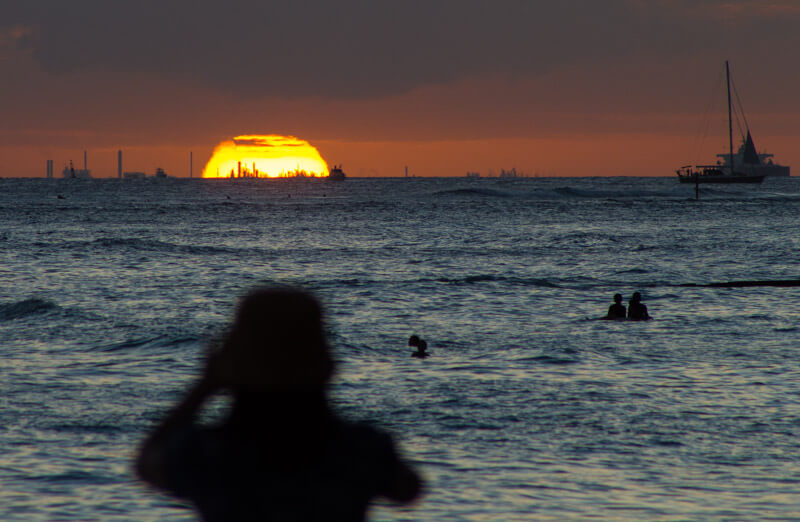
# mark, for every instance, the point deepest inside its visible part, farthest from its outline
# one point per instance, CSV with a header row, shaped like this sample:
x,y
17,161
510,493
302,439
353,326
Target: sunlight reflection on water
x,y
526,410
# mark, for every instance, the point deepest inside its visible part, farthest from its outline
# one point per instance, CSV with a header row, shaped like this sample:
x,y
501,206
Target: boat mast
x,y
730,120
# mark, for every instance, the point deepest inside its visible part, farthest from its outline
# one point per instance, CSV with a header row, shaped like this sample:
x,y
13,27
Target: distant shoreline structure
x,y
70,172
511,173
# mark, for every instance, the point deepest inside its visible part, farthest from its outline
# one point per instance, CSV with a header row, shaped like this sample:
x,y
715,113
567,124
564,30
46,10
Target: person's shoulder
x,y
361,429
367,440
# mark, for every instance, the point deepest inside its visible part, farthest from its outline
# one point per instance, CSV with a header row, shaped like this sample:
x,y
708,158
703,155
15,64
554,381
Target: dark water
x,y
527,410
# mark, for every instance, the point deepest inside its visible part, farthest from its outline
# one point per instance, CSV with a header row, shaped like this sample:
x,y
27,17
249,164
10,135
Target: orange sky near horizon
x,y
572,98
568,156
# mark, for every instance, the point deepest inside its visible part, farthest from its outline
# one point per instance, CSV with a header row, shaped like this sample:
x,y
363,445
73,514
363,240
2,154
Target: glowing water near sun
x,y
269,156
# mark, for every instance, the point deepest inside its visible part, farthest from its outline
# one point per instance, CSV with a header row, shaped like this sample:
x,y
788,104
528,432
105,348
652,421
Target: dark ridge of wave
x,y
634,271
74,477
89,428
351,283
34,306
161,246
150,245
482,278
787,283
582,284
466,280
474,192
571,192
159,341
560,193
550,360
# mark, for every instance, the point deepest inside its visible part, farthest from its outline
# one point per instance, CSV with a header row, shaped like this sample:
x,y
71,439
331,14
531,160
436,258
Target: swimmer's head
x,y
413,340
277,342
422,346
617,298
636,297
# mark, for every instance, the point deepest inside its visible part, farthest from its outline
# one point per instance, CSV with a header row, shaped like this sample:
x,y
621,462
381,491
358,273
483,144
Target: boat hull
x,y
725,178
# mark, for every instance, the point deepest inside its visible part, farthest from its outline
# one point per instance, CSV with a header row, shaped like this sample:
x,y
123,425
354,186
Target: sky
x,y
566,88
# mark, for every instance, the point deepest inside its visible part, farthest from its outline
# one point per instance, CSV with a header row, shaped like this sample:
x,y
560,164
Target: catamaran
x,y
746,166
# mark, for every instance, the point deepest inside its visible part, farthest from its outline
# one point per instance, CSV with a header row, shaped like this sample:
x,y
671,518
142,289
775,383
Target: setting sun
x,y
270,156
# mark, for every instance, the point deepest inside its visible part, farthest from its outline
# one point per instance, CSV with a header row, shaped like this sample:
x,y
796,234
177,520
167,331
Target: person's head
x,y
618,298
636,297
422,346
277,343
413,340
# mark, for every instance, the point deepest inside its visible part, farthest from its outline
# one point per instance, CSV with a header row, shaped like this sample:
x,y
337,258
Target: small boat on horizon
x,y
71,172
337,174
746,166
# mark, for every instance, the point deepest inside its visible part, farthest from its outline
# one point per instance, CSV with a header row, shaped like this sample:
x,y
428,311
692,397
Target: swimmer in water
x,y
616,310
421,346
637,311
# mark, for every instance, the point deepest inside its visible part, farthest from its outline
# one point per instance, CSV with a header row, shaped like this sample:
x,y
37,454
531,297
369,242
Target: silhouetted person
x,y
281,453
421,346
616,310
636,310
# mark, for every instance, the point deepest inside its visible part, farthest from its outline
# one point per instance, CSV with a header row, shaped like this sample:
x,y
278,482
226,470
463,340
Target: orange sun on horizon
x,y
268,156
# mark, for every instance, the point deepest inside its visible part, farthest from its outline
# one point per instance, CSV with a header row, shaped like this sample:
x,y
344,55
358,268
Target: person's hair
x,y
279,331
617,298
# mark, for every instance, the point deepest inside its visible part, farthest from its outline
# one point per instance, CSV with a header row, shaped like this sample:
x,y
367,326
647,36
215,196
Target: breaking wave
x,y
25,308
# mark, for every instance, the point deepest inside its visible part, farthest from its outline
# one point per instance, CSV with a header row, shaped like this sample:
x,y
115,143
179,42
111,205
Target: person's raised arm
x,y
150,460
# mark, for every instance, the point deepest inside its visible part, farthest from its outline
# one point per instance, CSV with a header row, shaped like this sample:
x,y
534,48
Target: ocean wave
x,y
575,193
132,243
561,193
474,192
634,271
551,360
25,308
158,341
483,278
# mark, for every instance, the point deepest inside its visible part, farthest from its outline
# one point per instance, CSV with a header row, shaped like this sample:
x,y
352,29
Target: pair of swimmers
x,y
637,311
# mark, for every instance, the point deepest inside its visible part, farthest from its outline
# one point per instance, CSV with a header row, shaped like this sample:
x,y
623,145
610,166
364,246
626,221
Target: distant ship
x,y
746,166
337,174
160,173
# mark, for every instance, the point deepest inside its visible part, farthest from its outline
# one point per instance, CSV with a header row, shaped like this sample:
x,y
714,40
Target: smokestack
x,y
49,169
406,170
239,172
119,164
84,161
191,163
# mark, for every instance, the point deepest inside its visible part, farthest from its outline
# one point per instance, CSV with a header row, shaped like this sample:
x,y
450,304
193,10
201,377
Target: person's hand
x,y
219,372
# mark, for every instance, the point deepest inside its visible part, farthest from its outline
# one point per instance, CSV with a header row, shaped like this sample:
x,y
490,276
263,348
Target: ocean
x,y
528,409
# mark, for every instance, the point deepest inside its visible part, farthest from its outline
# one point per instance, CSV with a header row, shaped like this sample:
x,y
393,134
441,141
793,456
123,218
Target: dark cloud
x,y
368,48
